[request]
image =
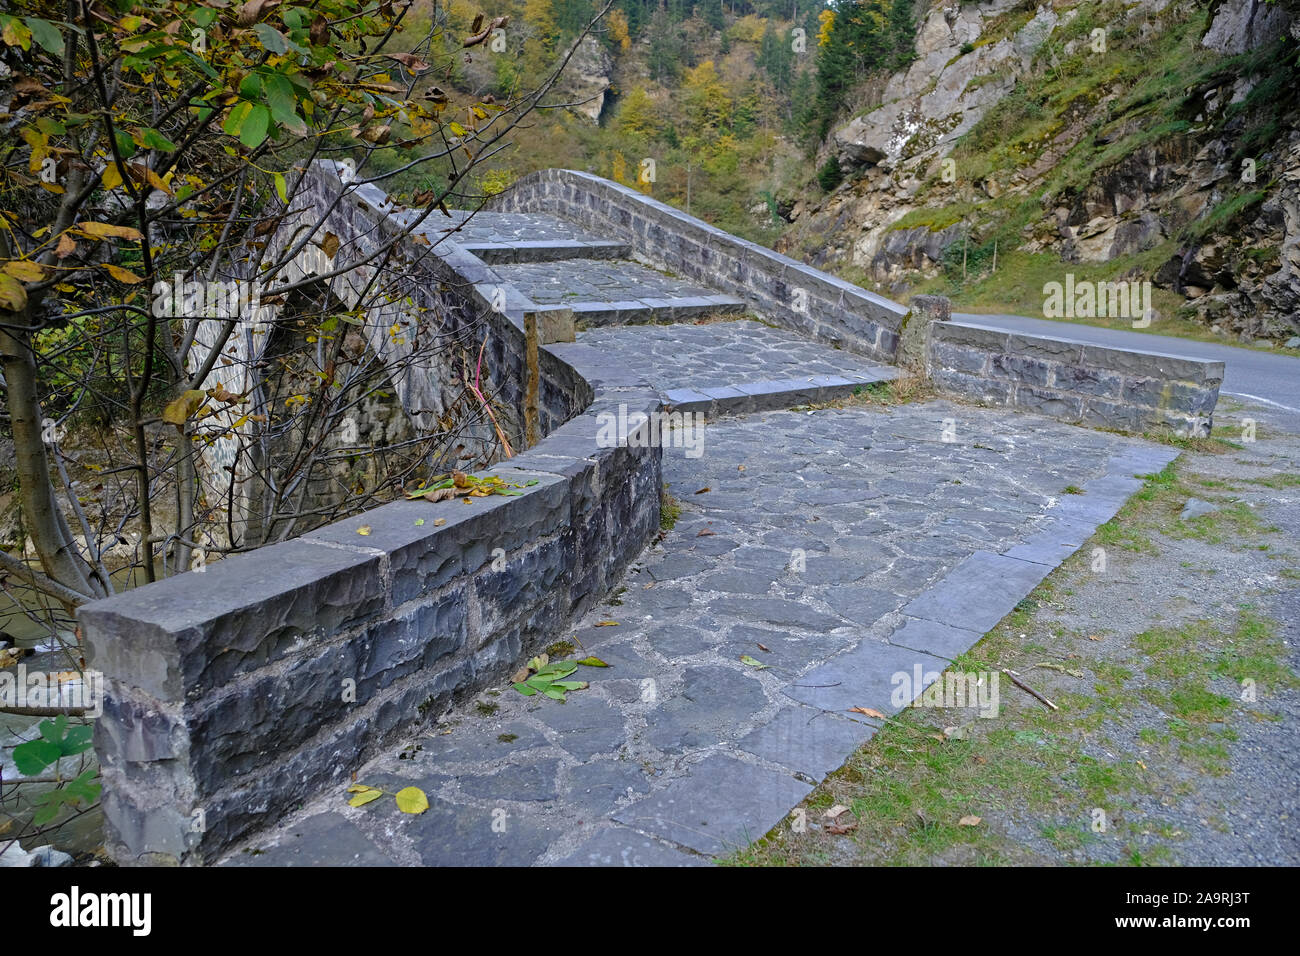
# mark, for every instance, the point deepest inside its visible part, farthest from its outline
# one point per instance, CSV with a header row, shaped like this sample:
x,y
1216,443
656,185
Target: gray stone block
x,y
1019,368
724,805
193,632
621,846
867,676
327,839
979,592
807,740
941,640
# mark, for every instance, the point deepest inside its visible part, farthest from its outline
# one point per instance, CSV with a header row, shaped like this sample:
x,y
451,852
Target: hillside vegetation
x,y
913,146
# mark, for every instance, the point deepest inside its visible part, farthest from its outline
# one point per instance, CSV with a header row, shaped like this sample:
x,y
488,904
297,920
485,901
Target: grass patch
x,y
670,509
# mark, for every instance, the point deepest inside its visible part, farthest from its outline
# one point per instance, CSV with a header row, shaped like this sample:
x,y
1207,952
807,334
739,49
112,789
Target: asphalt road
x,y
1265,377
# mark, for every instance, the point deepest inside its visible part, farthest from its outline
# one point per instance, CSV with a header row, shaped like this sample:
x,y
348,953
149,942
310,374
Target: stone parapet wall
x,y
777,287
234,694
1121,389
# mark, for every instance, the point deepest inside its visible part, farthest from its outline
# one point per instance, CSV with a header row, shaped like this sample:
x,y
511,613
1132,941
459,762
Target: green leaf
x,y
525,689
250,87
253,133
53,730
592,662
283,103
283,193
746,659
125,144
83,788
34,756
554,693
77,740
570,684
235,118
271,37
47,35
153,139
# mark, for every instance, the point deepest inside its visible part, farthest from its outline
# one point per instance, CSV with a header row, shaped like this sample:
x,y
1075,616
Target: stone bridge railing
x,y
235,693
781,289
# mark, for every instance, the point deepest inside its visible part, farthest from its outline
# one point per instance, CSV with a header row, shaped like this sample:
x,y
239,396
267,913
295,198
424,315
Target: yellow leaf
x,y
122,275
66,247
111,177
412,800
104,230
144,174
24,270
13,297
179,411
969,821
364,529
607,624
366,796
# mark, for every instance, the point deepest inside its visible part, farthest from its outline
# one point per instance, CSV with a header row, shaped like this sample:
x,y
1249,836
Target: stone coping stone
x,y
1138,362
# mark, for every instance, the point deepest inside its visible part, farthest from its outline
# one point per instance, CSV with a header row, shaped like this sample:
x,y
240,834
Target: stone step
x,y
546,250
747,398
652,311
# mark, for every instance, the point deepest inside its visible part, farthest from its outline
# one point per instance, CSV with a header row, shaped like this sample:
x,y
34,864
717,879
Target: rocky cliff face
x,y
1159,137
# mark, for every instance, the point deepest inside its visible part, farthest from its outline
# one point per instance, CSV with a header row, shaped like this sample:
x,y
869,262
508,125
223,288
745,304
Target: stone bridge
x,y
824,546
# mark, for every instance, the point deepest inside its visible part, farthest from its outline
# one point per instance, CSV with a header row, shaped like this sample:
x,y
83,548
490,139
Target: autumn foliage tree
x,y
149,139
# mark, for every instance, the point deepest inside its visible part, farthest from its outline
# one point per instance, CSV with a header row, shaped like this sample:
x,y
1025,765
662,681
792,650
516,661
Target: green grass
x,y
670,509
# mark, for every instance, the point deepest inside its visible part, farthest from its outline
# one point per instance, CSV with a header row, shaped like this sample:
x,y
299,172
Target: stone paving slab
x,y
568,282
507,228
728,353
808,533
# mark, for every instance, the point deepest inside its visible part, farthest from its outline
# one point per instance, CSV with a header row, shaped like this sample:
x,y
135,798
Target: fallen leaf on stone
x,y
746,659
439,522
867,712
606,624
765,649
740,468
1093,637
969,821
839,830
419,522
521,675
702,491
1141,764
364,529
364,795
706,532
413,800
835,811
592,662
